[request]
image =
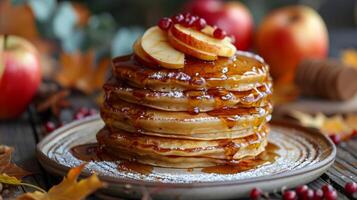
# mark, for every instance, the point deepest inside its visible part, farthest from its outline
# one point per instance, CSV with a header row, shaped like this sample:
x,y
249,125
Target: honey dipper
x,y
328,79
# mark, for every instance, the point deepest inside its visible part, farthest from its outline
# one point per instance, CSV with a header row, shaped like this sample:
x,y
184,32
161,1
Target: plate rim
x,y
62,169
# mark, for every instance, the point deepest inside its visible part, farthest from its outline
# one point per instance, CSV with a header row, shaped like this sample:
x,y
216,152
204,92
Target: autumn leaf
x,y
69,188
349,57
80,71
8,168
337,124
54,102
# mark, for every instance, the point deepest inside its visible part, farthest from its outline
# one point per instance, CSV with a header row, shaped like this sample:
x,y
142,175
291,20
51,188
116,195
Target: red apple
x,y
288,35
20,75
233,17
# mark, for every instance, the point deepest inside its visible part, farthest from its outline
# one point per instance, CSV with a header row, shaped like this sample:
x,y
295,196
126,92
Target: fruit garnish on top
x,y
168,43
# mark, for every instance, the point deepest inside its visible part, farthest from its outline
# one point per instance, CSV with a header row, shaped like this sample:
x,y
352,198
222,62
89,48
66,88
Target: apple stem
x,y
5,41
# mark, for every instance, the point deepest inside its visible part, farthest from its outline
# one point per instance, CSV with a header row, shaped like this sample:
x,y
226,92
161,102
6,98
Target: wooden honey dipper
x,y
326,78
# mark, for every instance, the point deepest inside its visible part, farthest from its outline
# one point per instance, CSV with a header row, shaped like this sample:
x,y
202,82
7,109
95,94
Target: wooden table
x,y
24,133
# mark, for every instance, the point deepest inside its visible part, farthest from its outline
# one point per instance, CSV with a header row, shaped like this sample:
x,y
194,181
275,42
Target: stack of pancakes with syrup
x,y
195,113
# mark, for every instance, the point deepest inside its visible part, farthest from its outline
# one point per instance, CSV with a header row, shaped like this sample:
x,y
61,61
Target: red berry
x,y
219,33
318,194
327,188
301,189
91,112
200,23
255,193
178,18
165,23
83,110
335,139
307,194
79,115
331,195
50,126
289,195
351,188
189,21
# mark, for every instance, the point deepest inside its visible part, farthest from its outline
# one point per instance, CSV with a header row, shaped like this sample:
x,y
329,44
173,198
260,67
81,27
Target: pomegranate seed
x,y
219,33
301,189
187,15
307,194
327,188
336,139
178,18
50,126
255,193
200,23
83,110
354,132
318,195
330,195
165,23
351,188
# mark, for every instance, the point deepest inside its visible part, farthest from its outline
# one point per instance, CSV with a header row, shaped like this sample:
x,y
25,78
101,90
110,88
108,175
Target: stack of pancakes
x,y
205,114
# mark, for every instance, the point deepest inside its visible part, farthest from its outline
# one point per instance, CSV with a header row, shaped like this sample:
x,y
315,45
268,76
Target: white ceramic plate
x,y
304,155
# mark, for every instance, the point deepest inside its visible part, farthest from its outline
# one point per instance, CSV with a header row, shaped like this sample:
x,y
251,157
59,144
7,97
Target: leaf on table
x,y
80,71
69,188
7,167
349,57
54,102
335,125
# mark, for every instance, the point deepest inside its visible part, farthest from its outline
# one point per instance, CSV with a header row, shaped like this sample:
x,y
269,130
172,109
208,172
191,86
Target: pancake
x,y
192,101
180,153
242,72
132,118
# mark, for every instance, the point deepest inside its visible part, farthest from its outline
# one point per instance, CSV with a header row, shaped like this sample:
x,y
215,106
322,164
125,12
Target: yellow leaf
x,y
349,57
69,188
4,178
308,120
351,121
335,125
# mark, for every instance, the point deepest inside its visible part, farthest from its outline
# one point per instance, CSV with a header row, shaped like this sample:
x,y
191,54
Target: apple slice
x,y
142,55
203,41
190,50
155,43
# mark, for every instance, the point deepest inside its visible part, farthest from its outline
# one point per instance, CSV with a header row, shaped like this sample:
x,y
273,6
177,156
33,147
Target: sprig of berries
x,y
190,21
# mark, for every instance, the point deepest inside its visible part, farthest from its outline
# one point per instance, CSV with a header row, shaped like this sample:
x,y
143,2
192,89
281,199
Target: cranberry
x,y
189,21
255,193
50,126
289,195
165,23
331,195
318,194
301,189
335,139
307,194
79,115
91,112
200,23
327,188
219,33
178,18
351,188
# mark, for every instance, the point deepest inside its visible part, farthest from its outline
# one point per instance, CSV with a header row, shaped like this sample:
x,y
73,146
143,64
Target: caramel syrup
x,y
270,155
93,152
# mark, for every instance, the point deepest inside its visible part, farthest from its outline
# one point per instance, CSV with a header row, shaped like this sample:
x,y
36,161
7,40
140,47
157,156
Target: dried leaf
x,y
308,120
8,168
328,125
69,188
81,72
351,121
349,57
4,178
55,102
